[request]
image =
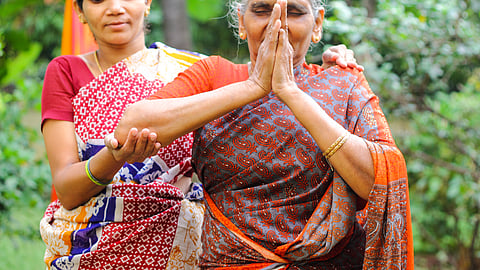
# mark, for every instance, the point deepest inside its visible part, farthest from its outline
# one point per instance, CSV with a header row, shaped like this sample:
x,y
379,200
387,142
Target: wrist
x,y
288,91
254,84
105,164
94,179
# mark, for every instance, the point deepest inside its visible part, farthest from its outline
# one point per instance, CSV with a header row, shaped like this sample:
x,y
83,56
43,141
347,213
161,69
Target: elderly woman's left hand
x,y
264,63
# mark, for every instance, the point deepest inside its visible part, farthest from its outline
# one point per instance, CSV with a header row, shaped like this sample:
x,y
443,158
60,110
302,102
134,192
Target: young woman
x,y
132,207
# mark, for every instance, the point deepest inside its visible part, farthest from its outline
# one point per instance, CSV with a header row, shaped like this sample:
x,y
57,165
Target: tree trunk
x,y
371,6
175,24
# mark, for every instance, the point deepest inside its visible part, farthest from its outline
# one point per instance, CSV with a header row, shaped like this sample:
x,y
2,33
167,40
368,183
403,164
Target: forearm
x,y
72,185
353,160
172,118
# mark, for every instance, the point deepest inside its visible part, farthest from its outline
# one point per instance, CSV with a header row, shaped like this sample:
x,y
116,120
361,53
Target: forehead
x,y
305,3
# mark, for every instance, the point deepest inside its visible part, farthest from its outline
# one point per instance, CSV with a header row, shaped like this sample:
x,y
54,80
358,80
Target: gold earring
x,y
147,12
82,20
242,35
315,39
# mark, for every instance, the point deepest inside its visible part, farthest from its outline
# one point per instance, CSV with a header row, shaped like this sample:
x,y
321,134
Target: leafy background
x,y
421,57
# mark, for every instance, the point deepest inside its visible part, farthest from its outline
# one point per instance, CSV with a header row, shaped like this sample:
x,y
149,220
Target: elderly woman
x,y
300,170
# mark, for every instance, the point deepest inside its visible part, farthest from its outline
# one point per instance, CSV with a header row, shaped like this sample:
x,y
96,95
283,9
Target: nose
x,y
115,7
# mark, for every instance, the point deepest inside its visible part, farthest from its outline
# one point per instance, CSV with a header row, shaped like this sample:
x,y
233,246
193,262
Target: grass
x,y
20,243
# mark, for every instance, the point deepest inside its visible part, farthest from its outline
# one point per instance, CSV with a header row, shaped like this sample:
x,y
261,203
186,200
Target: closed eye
x,y
261,8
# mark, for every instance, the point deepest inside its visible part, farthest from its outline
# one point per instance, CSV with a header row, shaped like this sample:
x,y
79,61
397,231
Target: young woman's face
x,y
302,23
115,22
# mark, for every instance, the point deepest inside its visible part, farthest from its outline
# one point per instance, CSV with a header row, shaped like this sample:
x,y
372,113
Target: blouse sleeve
x,y
64,76
196,79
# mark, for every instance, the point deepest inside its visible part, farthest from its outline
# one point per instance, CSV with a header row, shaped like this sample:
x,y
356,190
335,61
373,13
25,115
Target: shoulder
x,y
67,60
183,55
312,68
350,82
222,65
217,61
67,70
350,76
67,64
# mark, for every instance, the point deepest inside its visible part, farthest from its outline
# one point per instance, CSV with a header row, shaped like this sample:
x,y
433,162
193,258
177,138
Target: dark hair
x,y
80,4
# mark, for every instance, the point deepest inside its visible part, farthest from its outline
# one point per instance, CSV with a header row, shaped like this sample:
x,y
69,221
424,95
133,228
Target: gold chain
x,y
96,61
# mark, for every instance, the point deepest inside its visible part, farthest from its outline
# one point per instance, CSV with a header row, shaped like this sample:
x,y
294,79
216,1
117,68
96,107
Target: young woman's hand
x,y
137,147
340,55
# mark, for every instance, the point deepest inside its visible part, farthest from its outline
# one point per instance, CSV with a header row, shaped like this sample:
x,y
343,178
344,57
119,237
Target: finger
x,y
273,27
356,66
283,69
263,65
142,141
110,142
284,55
129,146
331,58
156,145
283,17
349,56
351,61
341,48
341,62
151,142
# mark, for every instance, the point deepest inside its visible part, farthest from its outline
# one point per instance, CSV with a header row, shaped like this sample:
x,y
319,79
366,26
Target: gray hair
x,y
235,5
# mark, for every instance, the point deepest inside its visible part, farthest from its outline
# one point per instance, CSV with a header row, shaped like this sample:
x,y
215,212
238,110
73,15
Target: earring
x,y
147,12
242,35
82,20
315,39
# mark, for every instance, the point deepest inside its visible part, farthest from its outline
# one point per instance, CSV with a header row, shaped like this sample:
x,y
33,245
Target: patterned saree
x,y
140,221
272,200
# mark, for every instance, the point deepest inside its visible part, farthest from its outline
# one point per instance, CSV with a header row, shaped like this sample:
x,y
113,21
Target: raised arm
x,y
172,118
352,161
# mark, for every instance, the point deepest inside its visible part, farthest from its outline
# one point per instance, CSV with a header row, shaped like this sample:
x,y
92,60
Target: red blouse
x,y
65,75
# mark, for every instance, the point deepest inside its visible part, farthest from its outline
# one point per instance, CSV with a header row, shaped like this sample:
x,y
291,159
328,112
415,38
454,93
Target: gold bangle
x,y
335,146
93,178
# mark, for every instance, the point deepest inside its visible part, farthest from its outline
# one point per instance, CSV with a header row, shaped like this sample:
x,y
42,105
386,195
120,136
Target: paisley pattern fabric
x,y
140,221
272,199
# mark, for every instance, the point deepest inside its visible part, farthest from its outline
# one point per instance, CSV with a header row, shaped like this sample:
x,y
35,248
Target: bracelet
x,y
93,178
335,146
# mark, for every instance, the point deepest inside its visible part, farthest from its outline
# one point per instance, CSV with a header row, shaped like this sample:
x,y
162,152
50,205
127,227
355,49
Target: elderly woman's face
x,y
302,24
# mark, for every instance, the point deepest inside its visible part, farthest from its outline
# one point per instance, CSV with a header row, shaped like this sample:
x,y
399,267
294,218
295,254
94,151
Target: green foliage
x,y
154,24
15,67
24,173
444,165
411,50
22,246
204,10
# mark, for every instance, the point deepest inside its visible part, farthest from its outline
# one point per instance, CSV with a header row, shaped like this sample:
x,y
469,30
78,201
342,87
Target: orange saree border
x,y
388,179
235,230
